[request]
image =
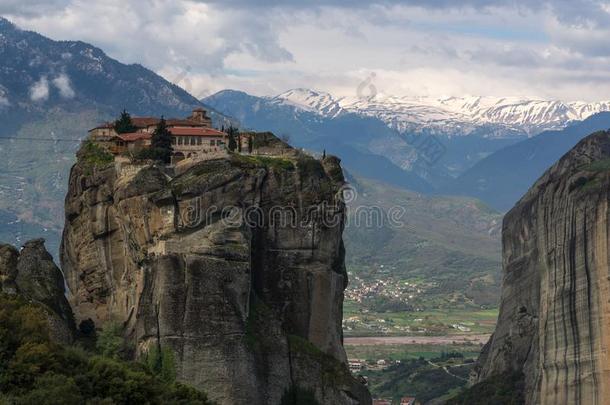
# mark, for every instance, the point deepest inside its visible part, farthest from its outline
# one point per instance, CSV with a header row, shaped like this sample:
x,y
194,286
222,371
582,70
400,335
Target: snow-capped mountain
x,y
309,100
488,116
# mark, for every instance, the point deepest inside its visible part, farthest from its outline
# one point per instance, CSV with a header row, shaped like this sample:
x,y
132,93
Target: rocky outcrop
x,y
554,322
236,265
32,274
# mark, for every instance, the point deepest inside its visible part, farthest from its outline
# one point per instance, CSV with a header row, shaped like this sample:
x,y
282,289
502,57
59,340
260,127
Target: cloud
x,y
62,82
31,7
40,90
553,48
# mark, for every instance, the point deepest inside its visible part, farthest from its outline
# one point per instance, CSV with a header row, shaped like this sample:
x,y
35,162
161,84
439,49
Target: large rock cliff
x,y
554,322
236,265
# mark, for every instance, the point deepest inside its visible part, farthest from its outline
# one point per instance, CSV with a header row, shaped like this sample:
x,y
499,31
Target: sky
x,y
551,50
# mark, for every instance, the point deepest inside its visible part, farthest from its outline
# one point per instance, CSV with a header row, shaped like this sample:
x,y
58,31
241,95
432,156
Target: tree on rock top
x,y
161,142
124,124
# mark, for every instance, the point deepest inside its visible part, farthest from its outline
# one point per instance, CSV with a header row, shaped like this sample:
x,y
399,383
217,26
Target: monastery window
x,y
193,140
173,140
212,142
199,142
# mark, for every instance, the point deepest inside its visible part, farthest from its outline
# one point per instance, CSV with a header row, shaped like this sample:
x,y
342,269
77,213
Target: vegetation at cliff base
x,y
502,389
34,370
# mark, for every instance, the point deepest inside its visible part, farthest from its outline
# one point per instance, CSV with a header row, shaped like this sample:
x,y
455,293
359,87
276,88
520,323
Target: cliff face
x,y
554,322
32,274
235,265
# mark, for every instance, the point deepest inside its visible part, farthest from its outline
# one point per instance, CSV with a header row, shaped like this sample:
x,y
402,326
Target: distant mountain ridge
x,y
454,116
503,177
350,136
37,73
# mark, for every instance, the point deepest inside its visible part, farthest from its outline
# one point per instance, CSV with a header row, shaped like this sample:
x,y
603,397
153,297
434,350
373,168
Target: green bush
x,y
35,370
94,155
160,362
158,154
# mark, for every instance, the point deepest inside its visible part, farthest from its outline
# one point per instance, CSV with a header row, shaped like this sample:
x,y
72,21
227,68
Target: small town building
x,y
355,366
407,401
381,401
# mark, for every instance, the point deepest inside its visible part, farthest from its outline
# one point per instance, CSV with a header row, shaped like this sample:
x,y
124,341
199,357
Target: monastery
x,y
192,137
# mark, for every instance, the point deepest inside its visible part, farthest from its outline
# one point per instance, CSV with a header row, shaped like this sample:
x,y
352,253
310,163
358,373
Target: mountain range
x,y
490,149
503,177
450,116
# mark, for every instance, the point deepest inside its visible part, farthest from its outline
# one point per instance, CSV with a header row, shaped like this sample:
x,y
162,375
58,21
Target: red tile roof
x,y
104,125
135,136
185,131
143,122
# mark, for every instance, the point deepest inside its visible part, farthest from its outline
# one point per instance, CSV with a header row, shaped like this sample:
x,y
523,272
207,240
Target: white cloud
x,y
40,90
62,82
553,49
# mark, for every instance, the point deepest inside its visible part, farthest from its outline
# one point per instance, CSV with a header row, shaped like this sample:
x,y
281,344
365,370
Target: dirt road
x,y
417,340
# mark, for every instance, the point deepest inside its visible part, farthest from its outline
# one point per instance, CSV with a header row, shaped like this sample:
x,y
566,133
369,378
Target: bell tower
x,y
200,115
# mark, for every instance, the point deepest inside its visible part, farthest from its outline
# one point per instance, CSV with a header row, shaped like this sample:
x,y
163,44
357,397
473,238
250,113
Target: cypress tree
x,y
232,132
161,142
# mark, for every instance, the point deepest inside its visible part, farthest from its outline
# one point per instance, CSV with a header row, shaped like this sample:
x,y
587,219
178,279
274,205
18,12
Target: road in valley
x,y
416,340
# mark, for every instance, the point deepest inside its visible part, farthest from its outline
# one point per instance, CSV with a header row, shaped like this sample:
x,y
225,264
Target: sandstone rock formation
x,y
236,265
33,274
554,322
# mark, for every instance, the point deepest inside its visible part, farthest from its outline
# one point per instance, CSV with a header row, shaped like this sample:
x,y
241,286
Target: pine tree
x,y
161,142
250,144
124,124
238,142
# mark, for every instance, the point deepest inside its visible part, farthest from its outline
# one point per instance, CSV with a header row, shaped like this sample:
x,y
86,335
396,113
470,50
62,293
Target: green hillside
x,y
439,266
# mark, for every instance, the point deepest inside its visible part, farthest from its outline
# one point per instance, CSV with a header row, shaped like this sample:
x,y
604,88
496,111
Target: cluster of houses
x,y
192,137
403,401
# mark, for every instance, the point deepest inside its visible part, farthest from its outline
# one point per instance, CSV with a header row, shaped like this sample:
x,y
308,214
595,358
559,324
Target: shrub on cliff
x,y
35,370
94,155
